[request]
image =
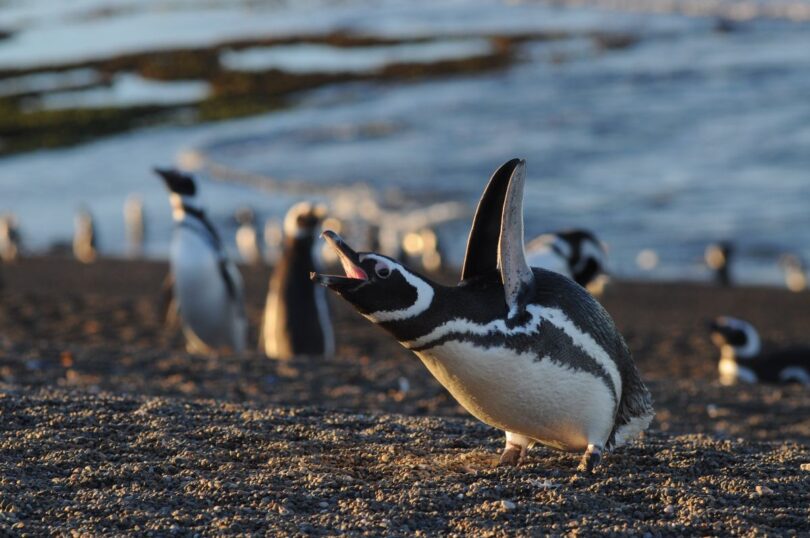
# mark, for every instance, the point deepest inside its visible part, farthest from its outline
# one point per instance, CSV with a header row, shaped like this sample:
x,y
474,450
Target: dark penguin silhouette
x,y
718,258
296,315
525,350
743,360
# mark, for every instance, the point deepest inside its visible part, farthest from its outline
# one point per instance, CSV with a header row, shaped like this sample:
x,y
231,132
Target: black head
x,y
303,219
177,182
377,286
586,255
736,334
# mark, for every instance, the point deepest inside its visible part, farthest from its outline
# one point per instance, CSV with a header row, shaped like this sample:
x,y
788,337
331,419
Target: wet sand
x,y
104,428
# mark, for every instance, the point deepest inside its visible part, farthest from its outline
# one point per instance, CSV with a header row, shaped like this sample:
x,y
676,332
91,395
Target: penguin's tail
x,y
635,408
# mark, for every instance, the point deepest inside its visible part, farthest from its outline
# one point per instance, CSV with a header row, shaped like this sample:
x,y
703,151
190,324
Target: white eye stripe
x,y
424,294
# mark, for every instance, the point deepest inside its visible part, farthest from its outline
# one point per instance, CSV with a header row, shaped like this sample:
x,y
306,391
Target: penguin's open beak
x,y
350,261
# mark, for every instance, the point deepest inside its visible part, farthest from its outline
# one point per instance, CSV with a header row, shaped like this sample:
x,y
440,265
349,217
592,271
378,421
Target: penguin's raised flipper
x,y
482,244
516,275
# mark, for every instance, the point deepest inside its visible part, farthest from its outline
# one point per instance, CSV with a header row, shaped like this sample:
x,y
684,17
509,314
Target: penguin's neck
x,y
472,301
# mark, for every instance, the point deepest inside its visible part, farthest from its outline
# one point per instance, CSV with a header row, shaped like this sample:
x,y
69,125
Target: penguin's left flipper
x,y
591,458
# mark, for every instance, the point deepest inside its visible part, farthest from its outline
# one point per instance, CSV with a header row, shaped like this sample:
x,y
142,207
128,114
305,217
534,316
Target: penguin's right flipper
x,y
481,256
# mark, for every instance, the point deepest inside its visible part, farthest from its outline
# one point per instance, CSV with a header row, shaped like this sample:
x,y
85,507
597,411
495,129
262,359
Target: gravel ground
x,y
108,425
103,464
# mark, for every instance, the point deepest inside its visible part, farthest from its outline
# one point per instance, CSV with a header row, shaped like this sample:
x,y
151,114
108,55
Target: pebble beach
x,y
109,426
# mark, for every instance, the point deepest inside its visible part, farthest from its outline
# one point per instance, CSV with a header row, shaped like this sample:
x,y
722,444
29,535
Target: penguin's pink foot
x,y
515,450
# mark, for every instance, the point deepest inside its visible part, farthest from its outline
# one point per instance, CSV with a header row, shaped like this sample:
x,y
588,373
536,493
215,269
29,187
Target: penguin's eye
x,y
382,270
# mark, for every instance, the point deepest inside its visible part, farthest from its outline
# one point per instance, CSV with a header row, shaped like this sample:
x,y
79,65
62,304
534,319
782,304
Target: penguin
x,y
718,259
84,237
206,285
742,358
273,239
576,253
247,239
296,315
9,239
795,272
134,225
422,248
525,350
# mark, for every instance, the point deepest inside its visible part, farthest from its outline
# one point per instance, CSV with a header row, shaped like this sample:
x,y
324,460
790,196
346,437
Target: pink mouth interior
x,y
352,271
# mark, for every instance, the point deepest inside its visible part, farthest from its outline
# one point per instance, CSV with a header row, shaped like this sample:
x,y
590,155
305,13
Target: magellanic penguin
x,y
134,225
718,259
247,239
207,286
525,350
296,315
742,358
577,254
9,239
84,236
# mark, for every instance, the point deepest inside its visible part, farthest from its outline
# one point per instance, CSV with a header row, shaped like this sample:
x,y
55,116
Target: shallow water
x,y
689,136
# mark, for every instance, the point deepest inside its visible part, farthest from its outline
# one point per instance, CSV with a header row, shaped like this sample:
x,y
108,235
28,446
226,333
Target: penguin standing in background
x,y
273,239
296,315
207,286
9,239
742,358
84,237
577,254
525,350
247,239
795,272
134,225
718,259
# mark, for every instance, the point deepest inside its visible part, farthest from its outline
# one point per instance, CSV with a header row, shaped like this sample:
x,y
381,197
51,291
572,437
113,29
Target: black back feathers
x,y
482,244
177,182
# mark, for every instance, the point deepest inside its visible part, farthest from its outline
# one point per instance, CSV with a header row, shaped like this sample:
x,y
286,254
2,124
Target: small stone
x,y
805,467
669,510
764,490
508,505
323,504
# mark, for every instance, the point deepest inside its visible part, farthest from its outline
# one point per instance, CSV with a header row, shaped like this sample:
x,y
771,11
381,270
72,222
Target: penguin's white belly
x,y
544,400
205,305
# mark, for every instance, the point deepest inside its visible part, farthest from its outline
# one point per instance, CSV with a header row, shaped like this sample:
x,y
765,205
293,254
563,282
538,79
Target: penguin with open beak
x,y
525,350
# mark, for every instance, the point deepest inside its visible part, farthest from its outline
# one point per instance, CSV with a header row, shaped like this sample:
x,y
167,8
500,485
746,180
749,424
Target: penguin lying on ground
x,y
577,254
207,286
742,359
525,350
296,315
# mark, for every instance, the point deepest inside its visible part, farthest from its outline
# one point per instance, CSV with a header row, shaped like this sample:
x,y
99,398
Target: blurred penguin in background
x,y
84,237
795,272
207,286
577,254
296,316
134,225
9,239
421,249
247,238
273,239
718,259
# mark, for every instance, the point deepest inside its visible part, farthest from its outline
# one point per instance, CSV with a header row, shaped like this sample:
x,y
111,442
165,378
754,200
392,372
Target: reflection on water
x,y
309,58
686,137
